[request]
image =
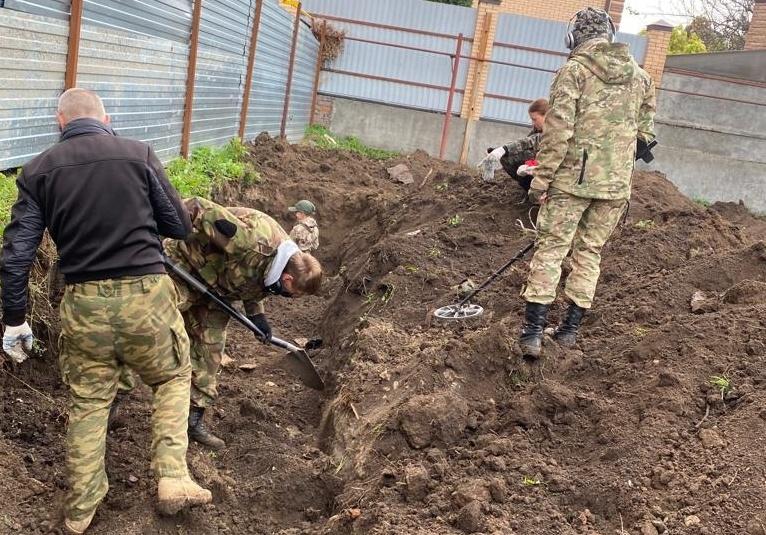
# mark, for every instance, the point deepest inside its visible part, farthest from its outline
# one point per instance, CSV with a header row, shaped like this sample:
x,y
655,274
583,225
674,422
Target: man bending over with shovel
x,y
243,255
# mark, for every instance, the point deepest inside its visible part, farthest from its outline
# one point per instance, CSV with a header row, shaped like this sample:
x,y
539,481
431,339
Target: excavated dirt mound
x,y
436,428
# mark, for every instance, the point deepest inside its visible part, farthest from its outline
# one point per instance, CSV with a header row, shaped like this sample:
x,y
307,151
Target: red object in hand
x,y
531,163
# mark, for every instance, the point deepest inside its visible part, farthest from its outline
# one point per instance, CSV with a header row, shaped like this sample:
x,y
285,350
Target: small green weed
x,y
518,379
455,221
641,331
722,383
210,167
435,252
531,481
8,195
646,224
323,138
442,186
702,202
411,268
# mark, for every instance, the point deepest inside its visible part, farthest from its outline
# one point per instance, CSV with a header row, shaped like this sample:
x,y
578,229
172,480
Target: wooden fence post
x,y
73,54
191,73
250,67
450,98
290,70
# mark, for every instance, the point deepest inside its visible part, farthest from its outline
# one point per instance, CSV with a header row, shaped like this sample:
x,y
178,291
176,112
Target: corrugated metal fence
x,y
135,54
527,52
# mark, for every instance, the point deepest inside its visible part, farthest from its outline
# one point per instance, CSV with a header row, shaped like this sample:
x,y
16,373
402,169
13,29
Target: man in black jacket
x,y
105,201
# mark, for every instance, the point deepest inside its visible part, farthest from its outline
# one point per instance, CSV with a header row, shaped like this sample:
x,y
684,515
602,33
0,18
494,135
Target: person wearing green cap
x,y
306,232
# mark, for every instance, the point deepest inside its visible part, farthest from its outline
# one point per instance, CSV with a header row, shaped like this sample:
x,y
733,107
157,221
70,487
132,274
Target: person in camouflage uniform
x,y
602,104
243,255
514,154
306,232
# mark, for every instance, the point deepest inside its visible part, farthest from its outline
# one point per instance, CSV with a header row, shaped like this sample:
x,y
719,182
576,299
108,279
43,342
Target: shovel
x,y
296,361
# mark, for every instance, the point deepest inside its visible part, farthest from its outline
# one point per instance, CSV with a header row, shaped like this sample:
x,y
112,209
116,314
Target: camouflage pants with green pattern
x,y
567,222
206,327
105,326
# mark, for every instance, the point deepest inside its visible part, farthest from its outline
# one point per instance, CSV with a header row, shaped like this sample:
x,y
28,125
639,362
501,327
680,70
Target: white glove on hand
x,y
498,153
526,170
17,341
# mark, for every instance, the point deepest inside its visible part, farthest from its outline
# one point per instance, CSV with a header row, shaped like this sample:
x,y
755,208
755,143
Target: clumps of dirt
x,y
331,40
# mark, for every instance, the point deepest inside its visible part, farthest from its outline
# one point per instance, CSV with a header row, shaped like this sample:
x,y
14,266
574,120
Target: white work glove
x,y
17,341
526,170
498,153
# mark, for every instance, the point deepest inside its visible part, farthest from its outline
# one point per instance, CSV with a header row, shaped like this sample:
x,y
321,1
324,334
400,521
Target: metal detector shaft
x,y
221,302
496,274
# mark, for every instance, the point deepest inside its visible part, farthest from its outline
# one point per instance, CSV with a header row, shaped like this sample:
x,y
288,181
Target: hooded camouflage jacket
x,y
601,102
230,249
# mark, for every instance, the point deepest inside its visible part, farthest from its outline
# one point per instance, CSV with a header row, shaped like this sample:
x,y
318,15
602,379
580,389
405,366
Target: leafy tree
x,y
684,41
466,3
720,24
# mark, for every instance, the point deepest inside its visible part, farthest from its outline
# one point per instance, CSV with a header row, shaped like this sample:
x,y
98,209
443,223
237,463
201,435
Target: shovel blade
x,y
299,364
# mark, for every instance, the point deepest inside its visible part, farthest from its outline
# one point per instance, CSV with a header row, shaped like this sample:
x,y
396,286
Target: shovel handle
x,y
225,305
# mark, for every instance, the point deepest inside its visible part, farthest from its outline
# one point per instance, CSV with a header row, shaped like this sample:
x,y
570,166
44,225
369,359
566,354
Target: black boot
x,y
531,341
566,333
199,433
115,412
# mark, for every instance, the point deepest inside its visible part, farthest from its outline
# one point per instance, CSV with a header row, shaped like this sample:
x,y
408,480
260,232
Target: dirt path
x,y
436,429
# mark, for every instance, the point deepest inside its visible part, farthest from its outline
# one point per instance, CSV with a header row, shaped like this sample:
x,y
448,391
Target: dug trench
x,y
652,425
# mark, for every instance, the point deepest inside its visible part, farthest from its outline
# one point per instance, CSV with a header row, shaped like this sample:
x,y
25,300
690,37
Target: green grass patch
x,y
8,194
646,224
321,137
702,202
211,167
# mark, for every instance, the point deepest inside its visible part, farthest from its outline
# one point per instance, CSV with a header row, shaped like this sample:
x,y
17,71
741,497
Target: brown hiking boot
x,y
78,527
198,432
175,493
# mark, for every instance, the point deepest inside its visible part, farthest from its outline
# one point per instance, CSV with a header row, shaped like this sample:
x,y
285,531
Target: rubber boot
x,y
566,333
115,412
531,341
175,493
78,527
199,433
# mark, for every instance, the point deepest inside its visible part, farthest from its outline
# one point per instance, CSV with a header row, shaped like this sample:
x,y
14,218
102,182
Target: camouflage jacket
x,y
525,148
306,235
234,266
601,102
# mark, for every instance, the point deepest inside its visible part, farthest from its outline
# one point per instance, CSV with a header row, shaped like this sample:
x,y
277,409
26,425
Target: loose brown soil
x,y
431,428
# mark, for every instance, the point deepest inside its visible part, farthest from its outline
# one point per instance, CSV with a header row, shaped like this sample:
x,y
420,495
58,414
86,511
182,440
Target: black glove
x,y
490,149
259,320
644,150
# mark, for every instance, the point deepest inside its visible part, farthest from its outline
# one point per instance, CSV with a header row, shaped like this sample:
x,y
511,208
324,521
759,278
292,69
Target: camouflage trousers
x,y
567,222
206,327
105,326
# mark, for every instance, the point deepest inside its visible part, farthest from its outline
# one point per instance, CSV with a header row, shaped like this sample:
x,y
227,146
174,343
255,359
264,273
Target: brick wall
x,y
658,36
323,112
756,36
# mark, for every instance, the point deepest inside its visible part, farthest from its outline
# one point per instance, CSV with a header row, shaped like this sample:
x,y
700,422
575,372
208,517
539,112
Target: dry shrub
x,y
330,38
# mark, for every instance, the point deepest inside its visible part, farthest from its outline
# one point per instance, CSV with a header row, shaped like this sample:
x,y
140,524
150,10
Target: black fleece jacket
x,y
105,201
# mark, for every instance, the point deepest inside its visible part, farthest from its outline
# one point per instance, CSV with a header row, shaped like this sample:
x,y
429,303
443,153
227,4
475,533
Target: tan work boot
x,y
175,493
78,527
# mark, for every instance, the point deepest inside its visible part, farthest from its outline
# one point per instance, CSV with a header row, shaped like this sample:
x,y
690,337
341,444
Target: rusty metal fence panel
x,y
528,52
372,72
32,77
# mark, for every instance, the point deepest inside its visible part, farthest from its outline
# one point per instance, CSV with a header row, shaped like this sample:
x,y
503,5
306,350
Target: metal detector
x,y
296,361
464,309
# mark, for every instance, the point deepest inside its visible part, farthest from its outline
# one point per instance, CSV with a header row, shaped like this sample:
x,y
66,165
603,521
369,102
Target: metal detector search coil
x,y
456,312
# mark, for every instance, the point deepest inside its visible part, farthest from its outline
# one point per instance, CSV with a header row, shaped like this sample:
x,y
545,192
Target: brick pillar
x,y
756,35
658,35
615,9
483,40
